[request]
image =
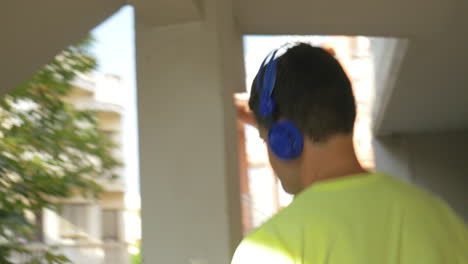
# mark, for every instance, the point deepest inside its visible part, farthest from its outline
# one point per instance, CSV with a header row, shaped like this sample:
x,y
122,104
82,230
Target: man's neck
x,y
334,159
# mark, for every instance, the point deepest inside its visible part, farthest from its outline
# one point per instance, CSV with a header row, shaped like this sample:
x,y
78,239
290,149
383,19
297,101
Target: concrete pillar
x,y
188,148
244,180
392,155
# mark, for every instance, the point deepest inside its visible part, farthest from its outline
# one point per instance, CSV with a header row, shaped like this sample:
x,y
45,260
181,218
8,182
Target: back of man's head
x,y
312,91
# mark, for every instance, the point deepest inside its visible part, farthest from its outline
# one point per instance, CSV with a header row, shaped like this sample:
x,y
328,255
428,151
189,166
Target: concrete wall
x,y
387,56
436,162
189,170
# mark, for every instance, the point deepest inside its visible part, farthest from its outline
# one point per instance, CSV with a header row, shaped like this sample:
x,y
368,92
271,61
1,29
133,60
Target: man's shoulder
x,y
263,245
284,222
271,241
272,227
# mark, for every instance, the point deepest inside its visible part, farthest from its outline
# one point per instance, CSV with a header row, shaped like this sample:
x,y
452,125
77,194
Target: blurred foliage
x,y
49,151
136,258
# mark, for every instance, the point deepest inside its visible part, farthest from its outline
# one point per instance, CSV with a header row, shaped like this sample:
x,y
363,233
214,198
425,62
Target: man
x,y
303,104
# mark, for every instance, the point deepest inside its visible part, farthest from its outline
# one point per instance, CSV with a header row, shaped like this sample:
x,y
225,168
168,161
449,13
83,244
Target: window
x,y
74,221
109,134
110,224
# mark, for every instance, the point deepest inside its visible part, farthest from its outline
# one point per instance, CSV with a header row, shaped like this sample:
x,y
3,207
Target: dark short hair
x,y
311,90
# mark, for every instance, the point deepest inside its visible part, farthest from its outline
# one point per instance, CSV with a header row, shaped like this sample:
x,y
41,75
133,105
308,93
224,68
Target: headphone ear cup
x,y
285,140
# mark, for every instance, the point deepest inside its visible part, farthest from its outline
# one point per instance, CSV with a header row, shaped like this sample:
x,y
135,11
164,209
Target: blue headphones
x,y
284,138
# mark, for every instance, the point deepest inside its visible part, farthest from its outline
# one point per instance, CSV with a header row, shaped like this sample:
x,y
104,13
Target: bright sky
x,y
115,45
115,52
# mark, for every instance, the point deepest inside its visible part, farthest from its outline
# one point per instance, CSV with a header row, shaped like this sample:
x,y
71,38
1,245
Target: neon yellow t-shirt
x,y
368,218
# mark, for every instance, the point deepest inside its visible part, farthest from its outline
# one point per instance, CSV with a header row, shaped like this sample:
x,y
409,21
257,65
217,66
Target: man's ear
x,y
263,133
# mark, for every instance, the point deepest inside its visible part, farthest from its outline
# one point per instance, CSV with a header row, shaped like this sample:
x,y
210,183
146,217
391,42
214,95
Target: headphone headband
x,y
266,84
284,138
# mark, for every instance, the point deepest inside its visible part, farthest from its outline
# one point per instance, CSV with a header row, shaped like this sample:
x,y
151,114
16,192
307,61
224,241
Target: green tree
x,y
136,258
48,150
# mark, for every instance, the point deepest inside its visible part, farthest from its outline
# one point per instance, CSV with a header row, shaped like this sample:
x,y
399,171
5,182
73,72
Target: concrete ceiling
x,y
167,12
35,31
398,18
430,91
32,32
